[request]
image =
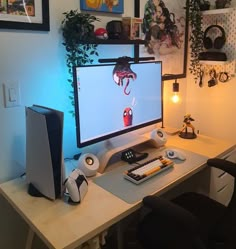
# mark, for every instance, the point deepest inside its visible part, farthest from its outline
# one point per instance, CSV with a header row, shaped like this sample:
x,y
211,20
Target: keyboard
x,y
148,169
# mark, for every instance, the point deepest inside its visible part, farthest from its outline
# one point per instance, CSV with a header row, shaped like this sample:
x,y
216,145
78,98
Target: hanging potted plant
x,y
78,35
204,5
220,4
196,37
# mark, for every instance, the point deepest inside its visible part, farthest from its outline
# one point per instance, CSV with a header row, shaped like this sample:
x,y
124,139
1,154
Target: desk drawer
x,y
222,183
224,194
219,178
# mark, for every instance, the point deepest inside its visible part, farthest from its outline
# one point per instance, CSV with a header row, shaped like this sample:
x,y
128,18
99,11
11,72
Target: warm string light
x,y
175,97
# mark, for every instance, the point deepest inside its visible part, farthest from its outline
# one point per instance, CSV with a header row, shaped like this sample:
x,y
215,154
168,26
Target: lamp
x,y
175,97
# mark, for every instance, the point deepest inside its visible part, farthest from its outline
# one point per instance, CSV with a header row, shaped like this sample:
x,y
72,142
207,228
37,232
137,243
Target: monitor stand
x,y
114,146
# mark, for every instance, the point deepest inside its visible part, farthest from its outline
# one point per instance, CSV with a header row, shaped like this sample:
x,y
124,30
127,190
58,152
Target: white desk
x,y
61,225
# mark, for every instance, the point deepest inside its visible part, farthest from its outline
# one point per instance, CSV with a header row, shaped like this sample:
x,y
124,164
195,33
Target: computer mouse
x,y
175,153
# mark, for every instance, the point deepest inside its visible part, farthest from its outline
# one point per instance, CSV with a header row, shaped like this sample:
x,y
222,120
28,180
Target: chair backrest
x,y
155,232
168,226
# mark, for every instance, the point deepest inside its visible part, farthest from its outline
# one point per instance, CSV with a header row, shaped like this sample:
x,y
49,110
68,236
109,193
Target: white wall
x,y
36,61
213,109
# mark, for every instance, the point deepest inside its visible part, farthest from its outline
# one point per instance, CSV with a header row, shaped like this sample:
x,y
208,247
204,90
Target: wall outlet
x,y
11,92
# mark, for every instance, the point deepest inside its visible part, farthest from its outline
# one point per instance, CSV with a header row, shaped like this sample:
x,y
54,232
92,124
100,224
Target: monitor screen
x,y
113,99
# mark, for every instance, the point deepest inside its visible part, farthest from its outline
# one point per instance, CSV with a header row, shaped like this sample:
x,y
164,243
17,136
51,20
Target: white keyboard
x,y
148,169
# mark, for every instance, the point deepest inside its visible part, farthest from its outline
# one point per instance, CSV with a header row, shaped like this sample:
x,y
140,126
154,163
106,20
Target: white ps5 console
x,y
44,157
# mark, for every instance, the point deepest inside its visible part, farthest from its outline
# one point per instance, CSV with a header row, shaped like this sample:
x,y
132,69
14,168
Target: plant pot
x,y
85,32
204,6
220,4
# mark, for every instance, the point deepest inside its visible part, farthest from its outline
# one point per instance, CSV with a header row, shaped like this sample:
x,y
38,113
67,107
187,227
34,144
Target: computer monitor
x,y
114,99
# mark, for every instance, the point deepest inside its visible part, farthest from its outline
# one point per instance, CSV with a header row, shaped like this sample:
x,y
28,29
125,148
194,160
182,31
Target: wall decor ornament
x,y
27,14
165,28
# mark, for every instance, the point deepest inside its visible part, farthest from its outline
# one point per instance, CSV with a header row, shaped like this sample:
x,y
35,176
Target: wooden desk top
x,y
204,145
61,225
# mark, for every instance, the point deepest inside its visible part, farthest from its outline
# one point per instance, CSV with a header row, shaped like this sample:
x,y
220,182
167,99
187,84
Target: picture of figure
x,y
160,29
111,3
3,6
111,6
135,31
18,7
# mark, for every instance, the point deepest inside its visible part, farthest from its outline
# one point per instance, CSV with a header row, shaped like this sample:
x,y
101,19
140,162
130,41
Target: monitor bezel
x,y
116,133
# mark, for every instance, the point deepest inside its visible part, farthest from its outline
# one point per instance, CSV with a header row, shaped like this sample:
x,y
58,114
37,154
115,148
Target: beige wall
x,y
213,108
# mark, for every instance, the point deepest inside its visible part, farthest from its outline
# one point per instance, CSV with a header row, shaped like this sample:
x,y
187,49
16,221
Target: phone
x,y
132,156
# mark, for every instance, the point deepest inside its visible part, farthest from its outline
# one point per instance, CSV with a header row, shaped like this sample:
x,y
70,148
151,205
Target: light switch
x,y
11,94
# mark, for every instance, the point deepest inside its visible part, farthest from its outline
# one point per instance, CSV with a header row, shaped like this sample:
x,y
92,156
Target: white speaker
x,y
159,136
89,164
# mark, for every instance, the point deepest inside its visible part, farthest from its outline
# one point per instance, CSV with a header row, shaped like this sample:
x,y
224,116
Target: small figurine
x,y
186,124
101,33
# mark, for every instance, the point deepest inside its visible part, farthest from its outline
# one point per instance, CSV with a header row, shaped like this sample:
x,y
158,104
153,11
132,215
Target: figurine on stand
x,y
187,124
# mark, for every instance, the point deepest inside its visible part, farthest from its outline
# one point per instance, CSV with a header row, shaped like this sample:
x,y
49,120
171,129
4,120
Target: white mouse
x,y
175,153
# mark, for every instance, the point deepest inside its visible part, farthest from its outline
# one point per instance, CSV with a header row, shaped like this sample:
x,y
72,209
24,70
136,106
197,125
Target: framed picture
x,y
165,29
24,14
111,6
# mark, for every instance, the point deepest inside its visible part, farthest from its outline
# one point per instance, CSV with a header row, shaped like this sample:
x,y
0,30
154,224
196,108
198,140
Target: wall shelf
x,y
205,62
225,18
115,42
135,43
217,11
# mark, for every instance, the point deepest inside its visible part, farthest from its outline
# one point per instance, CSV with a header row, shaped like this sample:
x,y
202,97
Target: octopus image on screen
x,y
122,74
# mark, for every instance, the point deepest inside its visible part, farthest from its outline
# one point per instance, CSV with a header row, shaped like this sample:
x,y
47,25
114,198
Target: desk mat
x,y
115,183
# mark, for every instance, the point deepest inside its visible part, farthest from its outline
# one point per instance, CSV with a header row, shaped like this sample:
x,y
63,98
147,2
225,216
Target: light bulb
x,y
175,98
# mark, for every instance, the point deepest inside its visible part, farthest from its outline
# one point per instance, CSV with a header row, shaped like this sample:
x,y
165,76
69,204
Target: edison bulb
x,y
175,98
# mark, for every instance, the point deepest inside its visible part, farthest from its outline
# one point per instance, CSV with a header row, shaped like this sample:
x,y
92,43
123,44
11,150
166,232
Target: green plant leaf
x,y
77,31
196,36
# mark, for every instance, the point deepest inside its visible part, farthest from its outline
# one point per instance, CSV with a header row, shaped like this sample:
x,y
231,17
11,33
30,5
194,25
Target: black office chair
x,y
190,221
